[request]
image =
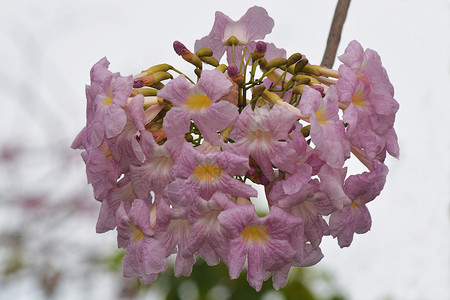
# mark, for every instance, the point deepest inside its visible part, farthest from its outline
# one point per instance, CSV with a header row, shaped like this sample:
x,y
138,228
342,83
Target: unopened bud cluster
x,y
174,160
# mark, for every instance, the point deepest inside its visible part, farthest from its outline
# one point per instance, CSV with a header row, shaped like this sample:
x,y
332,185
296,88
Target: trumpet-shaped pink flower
x,y
365,87
101,169
202,175
302,171
207,237
252,26
310,204
122,193
145,257
263,134
87,136
332,184
355,217
264,241
174,227
199,103
158,169
327,131
129,145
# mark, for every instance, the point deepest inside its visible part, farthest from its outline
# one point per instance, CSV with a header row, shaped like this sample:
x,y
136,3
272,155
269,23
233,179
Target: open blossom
x,y
310,205
263,241
109,116
327,131
129,145
202,175
121,194
365,87
174,229
252,26
355,217
207,236
158,169
101,169
199,103
144,256
263,134
332,184
303,170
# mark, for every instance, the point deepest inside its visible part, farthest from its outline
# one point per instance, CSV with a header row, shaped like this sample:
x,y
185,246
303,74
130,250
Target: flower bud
x,y
293,59
204,52
150,80
271,97
158,85
276,62
328,72
210,60
298,89
180,48
302,79
144,91
263,63
160,76
157,68
138,83
257,91
235,75
260,50
198,72
187,55
312,69
300,65
256,94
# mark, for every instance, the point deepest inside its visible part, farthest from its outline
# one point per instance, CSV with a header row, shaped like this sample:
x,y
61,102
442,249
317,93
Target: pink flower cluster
x,y
175,165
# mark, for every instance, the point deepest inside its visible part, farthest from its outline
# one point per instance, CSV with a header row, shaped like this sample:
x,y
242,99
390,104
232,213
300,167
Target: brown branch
x,y
334,36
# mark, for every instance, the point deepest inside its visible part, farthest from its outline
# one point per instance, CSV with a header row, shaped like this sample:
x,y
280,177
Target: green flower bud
x,y
298,89
312,69
157,68
302,79
257,91
147,91
263,63
300,65
270,97
276,62
209,60
160,76
204,52
293,59
158,85
195,60
198,72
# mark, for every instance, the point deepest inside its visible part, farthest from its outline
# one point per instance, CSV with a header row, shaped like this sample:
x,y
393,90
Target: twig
x,y
334,36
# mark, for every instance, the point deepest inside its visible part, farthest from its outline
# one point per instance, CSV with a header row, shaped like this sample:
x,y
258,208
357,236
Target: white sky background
x,y
406,255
